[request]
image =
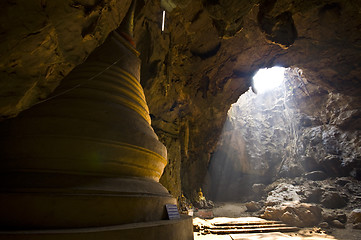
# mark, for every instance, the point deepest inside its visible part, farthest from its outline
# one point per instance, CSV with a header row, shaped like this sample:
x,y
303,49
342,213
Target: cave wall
x,y
193,71
42,41
206,57
297,129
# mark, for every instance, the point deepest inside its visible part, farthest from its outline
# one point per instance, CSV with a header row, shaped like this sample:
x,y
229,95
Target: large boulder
x,y
284,203
300,214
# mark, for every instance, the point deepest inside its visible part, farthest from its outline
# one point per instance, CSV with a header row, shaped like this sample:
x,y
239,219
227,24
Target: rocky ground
x,y
329,208
329,203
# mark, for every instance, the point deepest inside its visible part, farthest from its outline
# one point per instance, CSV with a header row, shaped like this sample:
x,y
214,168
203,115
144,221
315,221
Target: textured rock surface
x,y
205,59
286,132
298,202
194,70
284,203
41,41
289,200
252,206
355,216
333,200
301,215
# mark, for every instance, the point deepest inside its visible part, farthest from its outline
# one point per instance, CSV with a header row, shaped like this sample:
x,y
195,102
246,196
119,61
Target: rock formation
x,y
194,70
207,55
42,41
296,129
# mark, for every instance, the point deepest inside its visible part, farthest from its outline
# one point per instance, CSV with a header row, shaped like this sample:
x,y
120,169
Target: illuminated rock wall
x,y
289,131
209,52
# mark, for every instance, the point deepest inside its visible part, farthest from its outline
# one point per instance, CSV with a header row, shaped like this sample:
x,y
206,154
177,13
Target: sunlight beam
x,y
163,21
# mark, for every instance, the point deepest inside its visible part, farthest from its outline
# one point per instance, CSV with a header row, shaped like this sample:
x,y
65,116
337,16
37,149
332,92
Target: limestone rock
x,y
342,218
336,223
252,206
316,175
313,195
309,163
255,132
300,215
342,181
181,94
324,225
332,165
283,193
291,218
333,200
331,216
43,41
258,188
353,188
284,203
357,226
355,216
356,173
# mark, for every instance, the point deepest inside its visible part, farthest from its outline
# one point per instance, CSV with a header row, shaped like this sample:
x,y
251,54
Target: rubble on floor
x,y
329,204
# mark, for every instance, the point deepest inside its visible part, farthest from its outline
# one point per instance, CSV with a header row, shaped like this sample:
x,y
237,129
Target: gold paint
x,y
125,43
139,104
87,155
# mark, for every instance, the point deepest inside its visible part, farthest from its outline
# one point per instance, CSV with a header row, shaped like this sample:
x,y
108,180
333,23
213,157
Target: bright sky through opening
x,y
268,78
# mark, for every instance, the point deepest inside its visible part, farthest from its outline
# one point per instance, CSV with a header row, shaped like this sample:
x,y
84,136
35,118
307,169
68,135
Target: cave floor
x,y
228,212
304,233
263,236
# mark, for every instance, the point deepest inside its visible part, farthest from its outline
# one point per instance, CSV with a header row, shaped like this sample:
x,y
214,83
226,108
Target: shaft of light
x,y
163,21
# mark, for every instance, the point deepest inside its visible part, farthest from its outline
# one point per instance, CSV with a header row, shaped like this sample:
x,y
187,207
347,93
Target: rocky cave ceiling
x,y
194,70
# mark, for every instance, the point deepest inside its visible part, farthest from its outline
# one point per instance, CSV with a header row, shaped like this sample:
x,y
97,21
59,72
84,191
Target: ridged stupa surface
x,y
87,156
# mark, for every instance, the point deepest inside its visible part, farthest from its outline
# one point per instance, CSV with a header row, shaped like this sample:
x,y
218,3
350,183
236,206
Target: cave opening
x,y
286,145
267,79
256,135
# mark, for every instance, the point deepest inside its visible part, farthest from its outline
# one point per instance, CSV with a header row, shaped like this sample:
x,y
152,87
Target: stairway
x,y
242,227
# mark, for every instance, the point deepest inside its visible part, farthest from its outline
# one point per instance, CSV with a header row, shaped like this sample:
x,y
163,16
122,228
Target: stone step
x,y
251,230
246,226
247,223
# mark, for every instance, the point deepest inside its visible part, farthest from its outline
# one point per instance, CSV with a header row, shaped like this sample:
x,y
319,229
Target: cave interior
x,y
291,153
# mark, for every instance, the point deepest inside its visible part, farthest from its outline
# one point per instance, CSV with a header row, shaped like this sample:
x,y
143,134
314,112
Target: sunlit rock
x,y
355,216
300,215
252,206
